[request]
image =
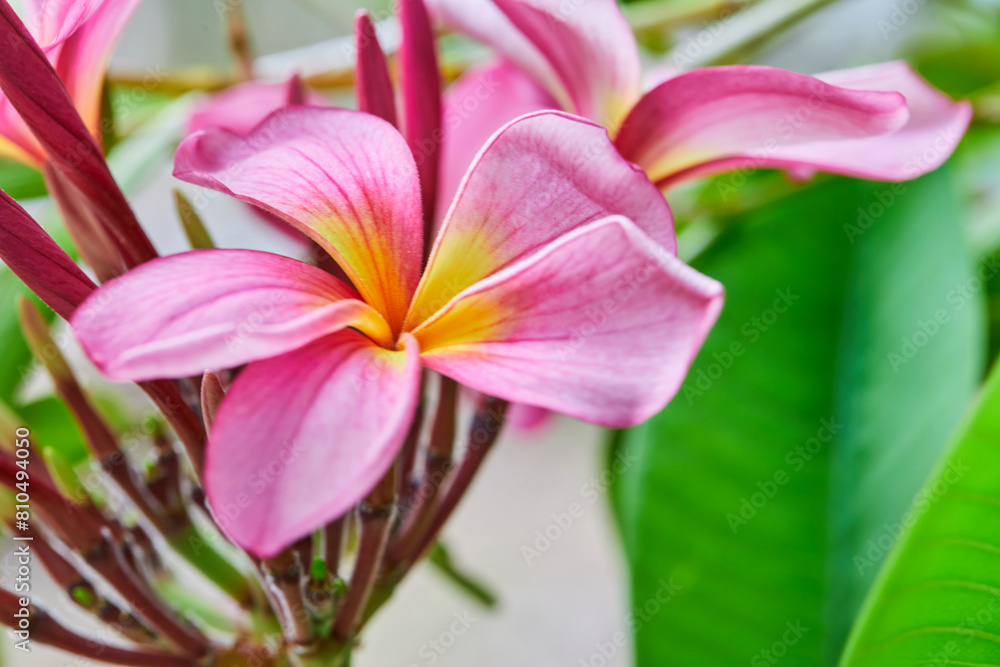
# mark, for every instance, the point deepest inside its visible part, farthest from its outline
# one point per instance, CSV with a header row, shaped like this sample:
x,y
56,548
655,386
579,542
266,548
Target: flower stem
x,y
483,434
376,513
486,426
420,510
45,630
283,576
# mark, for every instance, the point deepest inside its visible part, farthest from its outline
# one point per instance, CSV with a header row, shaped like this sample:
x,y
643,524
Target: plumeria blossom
x,y
77,37
881,122
553,281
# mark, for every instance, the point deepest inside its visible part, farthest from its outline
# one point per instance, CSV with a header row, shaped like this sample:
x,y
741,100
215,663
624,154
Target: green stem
x,y
441,560
197,551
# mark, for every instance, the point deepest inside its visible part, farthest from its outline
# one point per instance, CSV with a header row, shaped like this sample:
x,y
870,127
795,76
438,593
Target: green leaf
x,y
16,362
937,601
910,358
53,426
741,493
21,182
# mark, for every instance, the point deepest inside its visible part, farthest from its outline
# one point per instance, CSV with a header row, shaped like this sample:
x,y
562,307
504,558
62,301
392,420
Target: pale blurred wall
x,y
190,32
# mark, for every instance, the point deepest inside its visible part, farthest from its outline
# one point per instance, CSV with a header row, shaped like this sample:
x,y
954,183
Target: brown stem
x,y
85,595
282,578
406,486
186,424
80,532
334,543
101,441
483,434
43,629
375,515
107,561
239,41
438,464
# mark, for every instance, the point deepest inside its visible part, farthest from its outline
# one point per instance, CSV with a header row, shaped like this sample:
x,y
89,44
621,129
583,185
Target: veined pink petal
x,y
82,46
484,21
420,81
483,100
301,438
591,48
936,125
539,177
209,309
724,118
601,325
33,88
345,179
242,108
53,21
372,84
36,259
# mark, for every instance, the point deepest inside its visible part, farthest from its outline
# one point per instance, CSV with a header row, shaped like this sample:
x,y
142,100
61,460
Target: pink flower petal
x,y
372,84
209,309
301,438
538,178
936,125
36,259
724,118
54,21
420,80
242,108
482,101
528,418
591,48
345,179
85,36
484,21
601,325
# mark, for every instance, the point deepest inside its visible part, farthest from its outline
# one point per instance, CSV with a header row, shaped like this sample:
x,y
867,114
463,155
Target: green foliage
x,y
799,435
53,426
937,602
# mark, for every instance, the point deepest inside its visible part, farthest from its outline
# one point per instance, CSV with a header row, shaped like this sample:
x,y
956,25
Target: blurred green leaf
x,y
961,71
910,358
15,361
150,146
52,426
21,182
937,601
742,493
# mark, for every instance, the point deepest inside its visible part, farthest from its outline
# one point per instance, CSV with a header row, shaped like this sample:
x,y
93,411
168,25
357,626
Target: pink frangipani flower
x,y
881,122
553,281
77,37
